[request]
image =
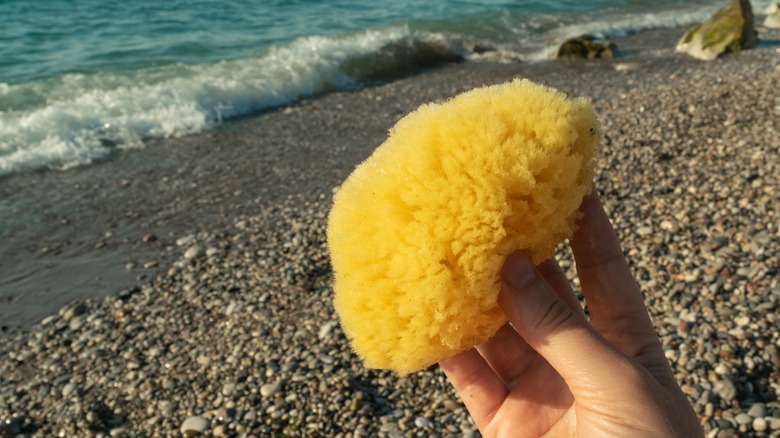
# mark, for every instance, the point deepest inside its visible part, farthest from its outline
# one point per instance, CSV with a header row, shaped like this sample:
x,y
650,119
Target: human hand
x,y
554,373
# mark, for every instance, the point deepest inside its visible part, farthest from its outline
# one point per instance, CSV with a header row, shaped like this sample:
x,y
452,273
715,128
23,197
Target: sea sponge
x,y
419,231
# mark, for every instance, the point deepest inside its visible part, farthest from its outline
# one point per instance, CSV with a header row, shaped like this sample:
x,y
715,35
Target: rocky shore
x,y
233,332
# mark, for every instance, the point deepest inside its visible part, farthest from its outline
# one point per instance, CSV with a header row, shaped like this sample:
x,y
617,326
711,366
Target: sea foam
x,y
78,118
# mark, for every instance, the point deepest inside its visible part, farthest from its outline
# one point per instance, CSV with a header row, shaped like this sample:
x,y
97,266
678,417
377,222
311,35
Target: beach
x,y
188,281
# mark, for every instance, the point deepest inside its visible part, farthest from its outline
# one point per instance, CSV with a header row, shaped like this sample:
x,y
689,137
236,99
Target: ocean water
x,y
80,78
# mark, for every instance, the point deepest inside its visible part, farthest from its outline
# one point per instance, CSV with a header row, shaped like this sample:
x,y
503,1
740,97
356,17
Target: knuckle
x,y
556,316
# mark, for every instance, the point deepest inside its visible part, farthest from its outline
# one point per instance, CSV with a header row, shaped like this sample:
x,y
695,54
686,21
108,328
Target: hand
x,y
554,373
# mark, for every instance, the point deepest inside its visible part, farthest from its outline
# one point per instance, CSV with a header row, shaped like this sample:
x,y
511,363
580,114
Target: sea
x,y
80,79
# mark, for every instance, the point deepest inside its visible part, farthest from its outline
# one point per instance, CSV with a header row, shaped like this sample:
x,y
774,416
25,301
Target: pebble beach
x,y
216,314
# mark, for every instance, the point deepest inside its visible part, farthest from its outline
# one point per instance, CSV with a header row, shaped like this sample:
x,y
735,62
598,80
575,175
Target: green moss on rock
x,y
729,30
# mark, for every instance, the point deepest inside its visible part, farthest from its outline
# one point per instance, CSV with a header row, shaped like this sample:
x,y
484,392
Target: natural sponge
x,y
419,231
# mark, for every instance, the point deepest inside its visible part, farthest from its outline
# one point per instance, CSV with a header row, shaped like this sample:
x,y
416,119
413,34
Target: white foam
x,y
78,118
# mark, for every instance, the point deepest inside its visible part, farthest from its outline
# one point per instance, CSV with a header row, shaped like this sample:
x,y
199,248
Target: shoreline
x,y
80,233
234,325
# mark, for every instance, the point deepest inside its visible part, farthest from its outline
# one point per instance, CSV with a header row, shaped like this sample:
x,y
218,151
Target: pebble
x,y
228,389
757,410
725,389
422,422
270,389
185,240
193,252
326,329
68,389
759,424
195,426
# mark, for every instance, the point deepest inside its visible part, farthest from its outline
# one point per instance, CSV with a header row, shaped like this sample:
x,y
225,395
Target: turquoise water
x,y
79,78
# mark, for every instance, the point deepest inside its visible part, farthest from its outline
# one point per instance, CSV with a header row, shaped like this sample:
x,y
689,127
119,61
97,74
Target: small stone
x,y
76,323
270,389
193,252
757,410
149,238
727,433
68,389
220,431
774,423
118,432
722,370
151,264
644,231
130,266
326,329
211,251
422,422
186,240
725,390
194,426
228,389
669,226
743,419
74,310
232,307
759,425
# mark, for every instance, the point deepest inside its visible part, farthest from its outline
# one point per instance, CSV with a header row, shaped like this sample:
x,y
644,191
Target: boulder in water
x,y
729,30
587,47
772,19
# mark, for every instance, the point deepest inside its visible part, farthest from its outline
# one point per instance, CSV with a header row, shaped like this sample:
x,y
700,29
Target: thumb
x,y
563,337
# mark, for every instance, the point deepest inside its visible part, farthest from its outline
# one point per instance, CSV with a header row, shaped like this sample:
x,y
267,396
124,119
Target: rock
x,y
326,329
186,240
68,389
727,433
151,264
743,419
220,431
772,19
74,310
422,422
195,426
759,425
729,30
149,238
118,432
270,389
228,389
774,423
193,252
757,410
586,47
644,231
725,389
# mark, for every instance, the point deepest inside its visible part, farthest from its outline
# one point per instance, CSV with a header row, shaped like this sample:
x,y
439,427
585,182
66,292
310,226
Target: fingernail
x,y
518,271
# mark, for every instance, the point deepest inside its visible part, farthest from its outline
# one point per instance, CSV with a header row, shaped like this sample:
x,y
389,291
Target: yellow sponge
x,y
419,231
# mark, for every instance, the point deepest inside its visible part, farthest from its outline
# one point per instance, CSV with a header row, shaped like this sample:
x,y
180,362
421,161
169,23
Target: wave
x,y
79,118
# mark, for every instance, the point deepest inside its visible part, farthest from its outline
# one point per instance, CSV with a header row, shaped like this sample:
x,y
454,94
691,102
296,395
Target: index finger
x,y
614,300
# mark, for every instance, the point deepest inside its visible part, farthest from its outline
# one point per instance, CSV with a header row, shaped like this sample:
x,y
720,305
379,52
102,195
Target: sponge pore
x,y
419,231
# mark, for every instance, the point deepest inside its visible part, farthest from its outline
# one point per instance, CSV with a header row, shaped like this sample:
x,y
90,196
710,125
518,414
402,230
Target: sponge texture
x,y
419,231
